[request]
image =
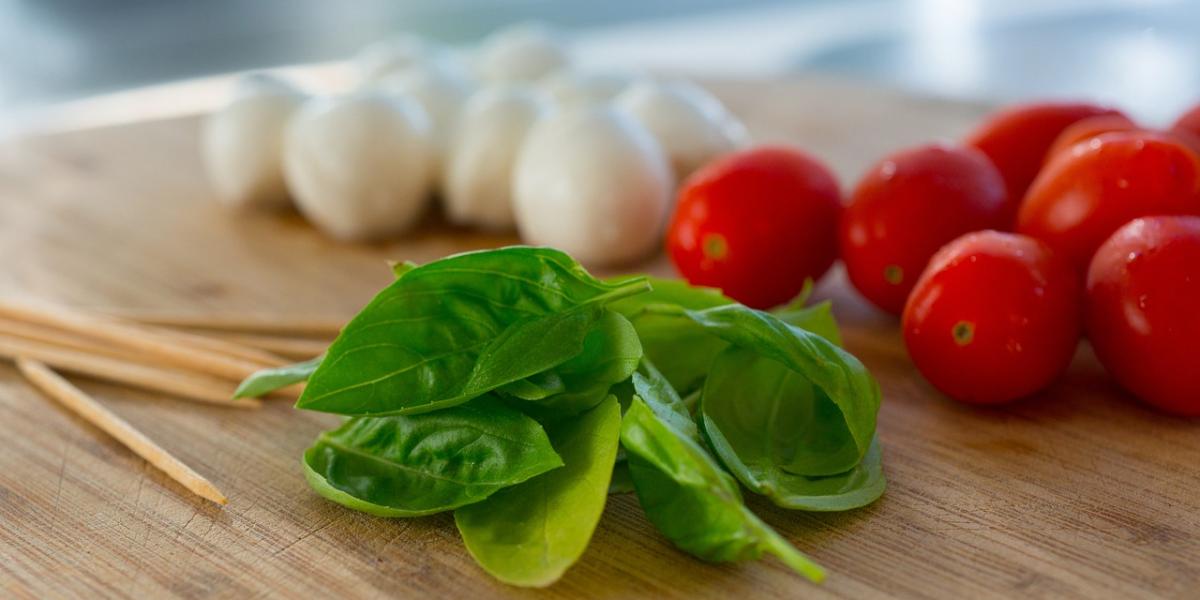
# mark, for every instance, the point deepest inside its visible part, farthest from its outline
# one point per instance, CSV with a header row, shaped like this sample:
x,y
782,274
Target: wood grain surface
x,y
1078,492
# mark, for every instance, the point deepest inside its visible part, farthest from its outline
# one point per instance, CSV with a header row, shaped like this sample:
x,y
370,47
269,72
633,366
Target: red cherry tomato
x,y
1187,128
1143,310
1084,195
994,317
909,205
756,224
1086,129
1017,139
1189,122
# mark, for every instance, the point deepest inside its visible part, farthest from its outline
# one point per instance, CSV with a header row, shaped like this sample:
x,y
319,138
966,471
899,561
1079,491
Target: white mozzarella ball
x,y
242,143
593,182
520,54
692,126
477,177
358,166
572,88
440,92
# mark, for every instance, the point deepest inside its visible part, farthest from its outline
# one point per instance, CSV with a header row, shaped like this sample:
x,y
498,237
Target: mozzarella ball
x,y
439,92
592,182
572,88
477,178
522,53
393,54
242,144
358,166
692,126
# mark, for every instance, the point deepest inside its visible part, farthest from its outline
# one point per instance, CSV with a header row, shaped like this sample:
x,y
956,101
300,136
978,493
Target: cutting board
x,y
1077,492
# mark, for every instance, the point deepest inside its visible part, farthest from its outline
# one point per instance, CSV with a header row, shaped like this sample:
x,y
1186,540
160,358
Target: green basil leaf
x,y
817,318
753,466
693,502
399,269
763,420
652,388
537,387
266,381
457,328
832,398
415,465
529,534
622,481
681,353
669,291
611,352
799,301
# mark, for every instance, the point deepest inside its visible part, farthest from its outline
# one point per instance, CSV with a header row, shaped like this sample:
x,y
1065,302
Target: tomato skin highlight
x,y
756,224
908,206
995,317
1086,129
1085,194
1143,310
1018,138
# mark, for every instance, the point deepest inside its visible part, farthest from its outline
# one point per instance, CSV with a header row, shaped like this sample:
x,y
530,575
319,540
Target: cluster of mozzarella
x,y
510,137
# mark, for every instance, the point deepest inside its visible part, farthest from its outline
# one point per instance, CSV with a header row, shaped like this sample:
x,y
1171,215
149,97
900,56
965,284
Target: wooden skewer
x,y
227,347
133,337
65,340
321,327
183,385
289,347
52,384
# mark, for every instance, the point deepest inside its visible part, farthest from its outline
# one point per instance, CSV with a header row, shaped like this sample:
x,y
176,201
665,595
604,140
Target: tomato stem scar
x,y
893,274
714,246
963,332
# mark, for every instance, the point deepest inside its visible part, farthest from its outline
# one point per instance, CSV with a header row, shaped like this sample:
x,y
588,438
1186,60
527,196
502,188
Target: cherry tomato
x,y
1189,122
909,205
1086,129
1143,310
1017,139
756,224
1187,128
994,317
1084,195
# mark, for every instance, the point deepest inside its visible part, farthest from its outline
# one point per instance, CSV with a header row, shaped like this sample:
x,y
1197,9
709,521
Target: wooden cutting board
x,y
1078,492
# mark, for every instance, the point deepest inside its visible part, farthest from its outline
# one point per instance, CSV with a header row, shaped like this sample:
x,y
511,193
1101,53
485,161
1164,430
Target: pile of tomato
x,y
1048,223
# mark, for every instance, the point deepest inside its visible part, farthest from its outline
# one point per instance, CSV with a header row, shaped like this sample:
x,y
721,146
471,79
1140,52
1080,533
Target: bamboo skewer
x,y
136,338
65,340
52,384
228,347
320,327
289,347
184,385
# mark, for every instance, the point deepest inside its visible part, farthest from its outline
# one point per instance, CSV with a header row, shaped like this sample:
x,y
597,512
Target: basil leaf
x,y
536,387
669,291
681,353
622,481
611,352
263,382
457,328
693,502
415,465
831,398
752,466
399,269
654,389
817,318
529,534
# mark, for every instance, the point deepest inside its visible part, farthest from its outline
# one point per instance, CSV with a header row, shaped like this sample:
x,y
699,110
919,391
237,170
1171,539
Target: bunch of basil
x,y
517,390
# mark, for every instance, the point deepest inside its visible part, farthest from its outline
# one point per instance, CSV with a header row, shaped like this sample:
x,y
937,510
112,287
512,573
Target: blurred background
x,y
1143,55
